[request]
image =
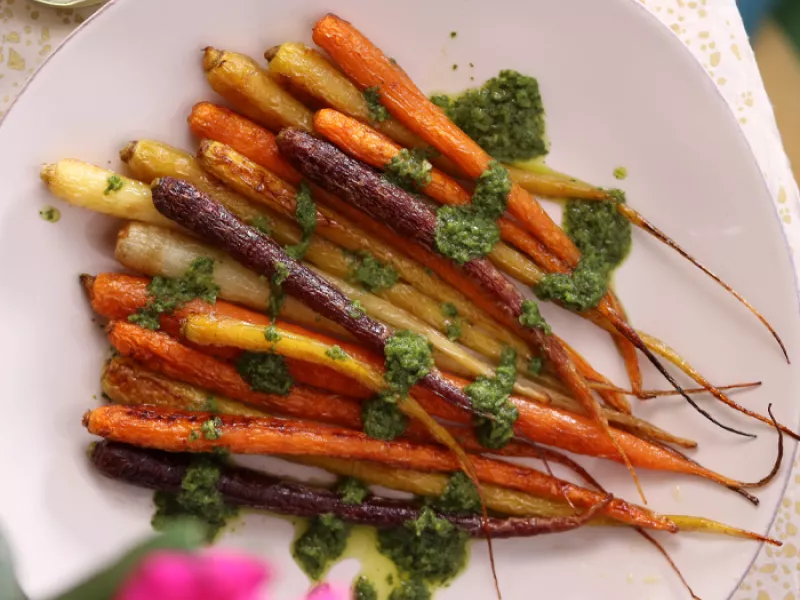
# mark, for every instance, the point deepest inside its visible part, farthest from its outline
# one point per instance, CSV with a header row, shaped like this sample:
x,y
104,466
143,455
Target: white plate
x,y
619,90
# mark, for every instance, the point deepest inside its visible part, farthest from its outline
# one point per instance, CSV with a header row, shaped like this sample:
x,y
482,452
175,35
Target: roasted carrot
x,y
170,431
209,121
116,296
163,354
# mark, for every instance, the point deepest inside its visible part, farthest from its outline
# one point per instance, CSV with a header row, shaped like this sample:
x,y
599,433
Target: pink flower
x,y
204,576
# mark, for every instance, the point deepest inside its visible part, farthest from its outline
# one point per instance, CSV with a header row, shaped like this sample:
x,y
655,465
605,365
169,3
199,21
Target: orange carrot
x,y
116,296
258,144
172,431
367,66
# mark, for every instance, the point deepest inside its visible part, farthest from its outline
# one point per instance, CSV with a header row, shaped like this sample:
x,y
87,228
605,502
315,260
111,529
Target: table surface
x,y
711,29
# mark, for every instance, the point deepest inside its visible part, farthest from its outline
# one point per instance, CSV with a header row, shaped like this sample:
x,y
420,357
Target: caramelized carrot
x,y
173,432
116,296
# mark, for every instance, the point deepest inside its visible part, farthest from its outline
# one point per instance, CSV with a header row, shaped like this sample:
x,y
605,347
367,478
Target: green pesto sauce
x,y
276,296
408,359
505,116
356,310
535,365
261,223
50,214
604,238
620,173
167,294
377,111
113,184
459,497
322,543
198,499
336,353
409,169
306,216
369,272
264,372
382,419
364,589
271,334
429,548
211,405
531,317
411,589
466,232
210,429
452,322
491,395
352,490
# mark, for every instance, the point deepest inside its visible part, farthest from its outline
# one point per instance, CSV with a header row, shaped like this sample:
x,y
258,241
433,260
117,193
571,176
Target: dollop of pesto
x,y
604,238
460,496
276,296
336,353
620,173
352,490
322,543
363,589
408,359
470,231
198,499
306,215
491,395
382,419
261,223
377,111
271,334
409,169
113,184
265,372
535,365
505,116
356,310
531,317
50,214
429,548
370,273
452,322
212,428
167,294
411,589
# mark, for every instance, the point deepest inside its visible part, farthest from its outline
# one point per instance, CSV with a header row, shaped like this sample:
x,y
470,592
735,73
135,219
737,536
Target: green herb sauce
x,y
50,214
382,419
306,216
369,272
377,111
531,317
429,548
452,322
604,238
167,294
466,232
491,395
276,296
459,497
198,499
356,310
271,334
352,490
620,173
505,116
322,543
535,365
211,405
261,223
336,353
408,359
211,429
113,184
364,589
265,372
411,589
409,169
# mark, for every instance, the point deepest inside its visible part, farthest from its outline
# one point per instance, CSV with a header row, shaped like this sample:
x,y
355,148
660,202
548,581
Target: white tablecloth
x,y
711,29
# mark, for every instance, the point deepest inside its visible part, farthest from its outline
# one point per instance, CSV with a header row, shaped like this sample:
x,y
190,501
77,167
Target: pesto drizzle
x,y
352,490
265,372
167,294
452,322
459,497
113,184
363,589
322,543
491,395
470,231
409,169
382,419
369,272
377,111
306,216
531,317
604,238
276,296
198,499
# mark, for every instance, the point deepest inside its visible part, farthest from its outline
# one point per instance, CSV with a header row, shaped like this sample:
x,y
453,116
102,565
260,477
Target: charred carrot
x,y
117,296
240,486
151,428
